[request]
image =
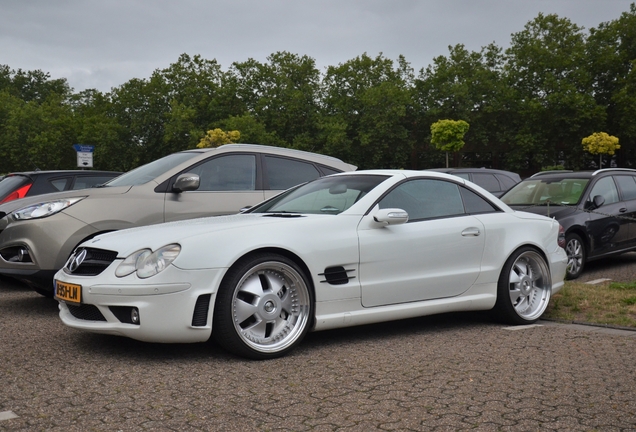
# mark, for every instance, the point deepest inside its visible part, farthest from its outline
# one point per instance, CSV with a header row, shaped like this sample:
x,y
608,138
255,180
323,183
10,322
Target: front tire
x,y
575,250
524,287
264,307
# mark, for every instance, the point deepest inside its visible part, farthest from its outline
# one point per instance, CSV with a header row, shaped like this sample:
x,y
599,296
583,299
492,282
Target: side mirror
x,y
391,216
186,182
597,201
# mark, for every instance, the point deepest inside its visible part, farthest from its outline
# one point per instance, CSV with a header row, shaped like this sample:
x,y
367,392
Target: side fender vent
x,y
200,316
336,275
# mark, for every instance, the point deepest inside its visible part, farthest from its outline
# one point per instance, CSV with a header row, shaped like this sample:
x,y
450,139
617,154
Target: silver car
x,y
38,234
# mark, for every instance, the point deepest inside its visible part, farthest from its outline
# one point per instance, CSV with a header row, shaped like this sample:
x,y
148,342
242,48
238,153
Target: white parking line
x,y
7,415
522,327
597,281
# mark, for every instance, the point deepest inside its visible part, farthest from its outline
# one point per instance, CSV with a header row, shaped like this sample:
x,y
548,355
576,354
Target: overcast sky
x,y
104,43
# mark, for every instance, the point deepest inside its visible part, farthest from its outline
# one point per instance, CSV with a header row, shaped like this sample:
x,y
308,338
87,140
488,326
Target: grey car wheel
x,y
575,250
264,307
524,287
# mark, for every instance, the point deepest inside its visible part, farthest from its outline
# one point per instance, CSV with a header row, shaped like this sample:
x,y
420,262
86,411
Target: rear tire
x,y
575,249
524,288
264,307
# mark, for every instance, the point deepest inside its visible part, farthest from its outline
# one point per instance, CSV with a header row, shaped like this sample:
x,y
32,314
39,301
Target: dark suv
x,y
23,184
494,181
597,209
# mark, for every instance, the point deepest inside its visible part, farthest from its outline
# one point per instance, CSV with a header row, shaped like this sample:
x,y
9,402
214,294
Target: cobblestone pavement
x,y
447,373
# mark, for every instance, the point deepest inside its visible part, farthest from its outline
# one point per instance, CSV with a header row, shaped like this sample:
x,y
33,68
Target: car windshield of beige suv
x,y
567,191
148,172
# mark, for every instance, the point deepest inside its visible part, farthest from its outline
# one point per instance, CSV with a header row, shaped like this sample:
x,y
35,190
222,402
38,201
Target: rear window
x,y
11,183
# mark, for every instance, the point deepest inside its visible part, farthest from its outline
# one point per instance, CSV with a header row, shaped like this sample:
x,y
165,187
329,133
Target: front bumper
x,y
558,262
33,250
174,306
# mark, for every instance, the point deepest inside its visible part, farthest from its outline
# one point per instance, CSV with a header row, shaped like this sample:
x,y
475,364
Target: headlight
x,y
147,263
44,209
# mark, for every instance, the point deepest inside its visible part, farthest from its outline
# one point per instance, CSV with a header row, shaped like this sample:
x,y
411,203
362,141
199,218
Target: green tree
x,y
448,135
552,101
282,94
467,85
611,60
37,122
252,131
217,137
367,112
600,143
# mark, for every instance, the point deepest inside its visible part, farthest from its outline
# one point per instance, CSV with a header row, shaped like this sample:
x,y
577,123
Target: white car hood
x,y
130,240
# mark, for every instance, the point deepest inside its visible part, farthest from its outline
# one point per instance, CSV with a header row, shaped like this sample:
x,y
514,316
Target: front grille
x,y
200,316
92,263
86,312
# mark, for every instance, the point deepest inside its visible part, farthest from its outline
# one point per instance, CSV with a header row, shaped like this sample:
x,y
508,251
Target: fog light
x,y
23,254
134,315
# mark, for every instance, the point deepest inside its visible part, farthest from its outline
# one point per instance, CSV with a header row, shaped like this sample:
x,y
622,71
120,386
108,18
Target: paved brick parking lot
x,y
445,373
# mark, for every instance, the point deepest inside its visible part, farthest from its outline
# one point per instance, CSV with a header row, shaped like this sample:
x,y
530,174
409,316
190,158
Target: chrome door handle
x,y
471,232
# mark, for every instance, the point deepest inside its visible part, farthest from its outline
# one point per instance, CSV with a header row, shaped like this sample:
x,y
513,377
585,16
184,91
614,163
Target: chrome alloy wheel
x,y
271,307
574,250
529,285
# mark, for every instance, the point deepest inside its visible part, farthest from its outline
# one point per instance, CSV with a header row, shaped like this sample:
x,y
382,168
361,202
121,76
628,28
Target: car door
x,y
436,254
627,186
228,183
606,229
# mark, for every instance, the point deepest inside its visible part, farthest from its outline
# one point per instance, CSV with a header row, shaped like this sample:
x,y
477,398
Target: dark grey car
x,y
597,209
493,180
18,185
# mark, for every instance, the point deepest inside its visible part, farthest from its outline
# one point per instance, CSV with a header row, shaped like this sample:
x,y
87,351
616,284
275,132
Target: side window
x,y
284,173
425,199
475,204
606,188
227,173
328,171
627,185
506,181
487,181
59,184
88,182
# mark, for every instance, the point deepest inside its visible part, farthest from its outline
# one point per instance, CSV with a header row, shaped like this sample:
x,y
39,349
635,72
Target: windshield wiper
x,y
282,214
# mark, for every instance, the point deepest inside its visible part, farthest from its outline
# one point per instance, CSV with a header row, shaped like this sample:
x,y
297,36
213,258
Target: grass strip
x,y
607,303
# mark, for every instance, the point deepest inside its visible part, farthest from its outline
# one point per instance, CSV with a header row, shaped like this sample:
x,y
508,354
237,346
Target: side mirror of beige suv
x,y
186,182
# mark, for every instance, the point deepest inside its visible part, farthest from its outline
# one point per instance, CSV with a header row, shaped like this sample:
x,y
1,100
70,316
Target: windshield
x,y
150,171
566,191
327,195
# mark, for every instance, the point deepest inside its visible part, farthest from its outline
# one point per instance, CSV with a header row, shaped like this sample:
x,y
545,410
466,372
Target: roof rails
x,y
540,173
598,171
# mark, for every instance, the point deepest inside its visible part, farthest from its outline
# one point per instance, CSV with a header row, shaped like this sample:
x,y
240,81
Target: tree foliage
x,y
448,135
217,137
528,106
600,143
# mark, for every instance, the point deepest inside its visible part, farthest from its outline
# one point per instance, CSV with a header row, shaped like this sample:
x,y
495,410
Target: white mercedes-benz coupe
x,y
344,250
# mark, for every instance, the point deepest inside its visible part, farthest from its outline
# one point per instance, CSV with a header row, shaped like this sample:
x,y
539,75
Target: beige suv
x,y
39,233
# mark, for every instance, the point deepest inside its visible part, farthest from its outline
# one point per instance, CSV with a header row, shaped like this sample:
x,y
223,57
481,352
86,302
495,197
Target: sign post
x,y
84,155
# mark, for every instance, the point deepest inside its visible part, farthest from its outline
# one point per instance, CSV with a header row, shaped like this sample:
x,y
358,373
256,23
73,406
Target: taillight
x,y
561,238
20,193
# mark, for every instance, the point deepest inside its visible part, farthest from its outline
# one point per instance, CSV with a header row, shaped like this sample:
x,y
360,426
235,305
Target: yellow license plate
x,y
68,292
